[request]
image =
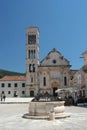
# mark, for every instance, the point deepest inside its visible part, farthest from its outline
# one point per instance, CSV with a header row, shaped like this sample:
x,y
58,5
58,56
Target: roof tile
x,y
13,78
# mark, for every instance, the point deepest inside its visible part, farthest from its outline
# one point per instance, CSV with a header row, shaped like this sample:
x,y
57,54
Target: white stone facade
x,y
54,72
12,86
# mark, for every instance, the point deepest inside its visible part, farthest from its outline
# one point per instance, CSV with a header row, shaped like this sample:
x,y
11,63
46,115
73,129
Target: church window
x,y
71,77
31,79
34,54
31,54
44,81
84,93
31,39
32,68
54,61
65,80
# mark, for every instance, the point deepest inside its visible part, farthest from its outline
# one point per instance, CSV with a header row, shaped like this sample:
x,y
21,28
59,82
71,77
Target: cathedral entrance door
x,y
55,85
54,94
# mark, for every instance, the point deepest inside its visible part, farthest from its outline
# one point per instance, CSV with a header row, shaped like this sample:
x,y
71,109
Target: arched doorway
x,y
54,94
54,88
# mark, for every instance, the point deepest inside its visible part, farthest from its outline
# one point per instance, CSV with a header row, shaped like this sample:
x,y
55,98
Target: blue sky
x,y
62,25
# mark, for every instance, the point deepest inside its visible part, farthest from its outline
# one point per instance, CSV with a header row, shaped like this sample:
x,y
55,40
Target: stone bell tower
x,y
32,61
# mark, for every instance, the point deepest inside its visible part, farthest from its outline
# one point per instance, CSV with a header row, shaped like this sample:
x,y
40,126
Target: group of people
x,y
3,97
75,100
69,100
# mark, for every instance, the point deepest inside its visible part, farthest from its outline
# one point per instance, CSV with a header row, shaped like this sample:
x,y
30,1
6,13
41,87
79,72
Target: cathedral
x,y
50,74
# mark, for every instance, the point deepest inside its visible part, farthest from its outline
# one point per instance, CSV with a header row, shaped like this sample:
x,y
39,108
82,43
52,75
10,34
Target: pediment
x,y
54,58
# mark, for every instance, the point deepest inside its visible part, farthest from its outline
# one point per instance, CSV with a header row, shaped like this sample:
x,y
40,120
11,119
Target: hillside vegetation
x,y
9,73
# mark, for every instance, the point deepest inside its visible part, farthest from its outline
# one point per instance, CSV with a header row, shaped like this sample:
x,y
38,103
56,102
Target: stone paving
x,y
16,100
11,119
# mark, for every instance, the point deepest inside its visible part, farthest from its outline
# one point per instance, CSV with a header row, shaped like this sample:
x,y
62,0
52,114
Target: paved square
x,y
11,119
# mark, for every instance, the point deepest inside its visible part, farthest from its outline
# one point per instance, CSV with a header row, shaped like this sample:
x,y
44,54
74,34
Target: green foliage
x,y
9,73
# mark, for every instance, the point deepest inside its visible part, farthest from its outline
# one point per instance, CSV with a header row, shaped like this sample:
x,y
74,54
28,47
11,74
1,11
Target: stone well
x,y
44,108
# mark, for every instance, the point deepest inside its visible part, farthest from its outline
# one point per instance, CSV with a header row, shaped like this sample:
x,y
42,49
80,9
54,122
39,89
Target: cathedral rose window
x,y
54,61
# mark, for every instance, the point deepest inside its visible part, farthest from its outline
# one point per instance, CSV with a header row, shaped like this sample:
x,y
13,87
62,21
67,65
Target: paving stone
x,y
11,119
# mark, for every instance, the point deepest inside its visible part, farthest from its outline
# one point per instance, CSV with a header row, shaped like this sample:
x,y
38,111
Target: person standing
x,y
75,100
1,97
4,97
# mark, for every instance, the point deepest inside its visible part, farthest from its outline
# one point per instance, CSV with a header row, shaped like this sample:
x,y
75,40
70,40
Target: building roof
x,y
13,78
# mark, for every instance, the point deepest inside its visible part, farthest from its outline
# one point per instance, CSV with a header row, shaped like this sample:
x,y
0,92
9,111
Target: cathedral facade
x,y
48,75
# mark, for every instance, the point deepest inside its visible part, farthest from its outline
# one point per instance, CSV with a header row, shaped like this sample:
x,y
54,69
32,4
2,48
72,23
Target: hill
x,y
9,73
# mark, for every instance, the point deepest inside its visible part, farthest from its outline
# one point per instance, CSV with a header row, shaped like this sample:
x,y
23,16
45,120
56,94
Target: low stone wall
x,y
44,108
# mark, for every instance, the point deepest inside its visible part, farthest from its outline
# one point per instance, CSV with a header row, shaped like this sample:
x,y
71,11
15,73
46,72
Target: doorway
x,y
54,94
15,94
55,86
31,93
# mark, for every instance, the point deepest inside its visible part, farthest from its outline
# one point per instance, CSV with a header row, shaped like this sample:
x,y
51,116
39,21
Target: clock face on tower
x,y
31,39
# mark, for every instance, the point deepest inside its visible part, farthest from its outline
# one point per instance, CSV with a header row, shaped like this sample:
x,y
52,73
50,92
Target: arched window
x,y
44,81
84,93
34,54
65,81
32,68
31,79
29,54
